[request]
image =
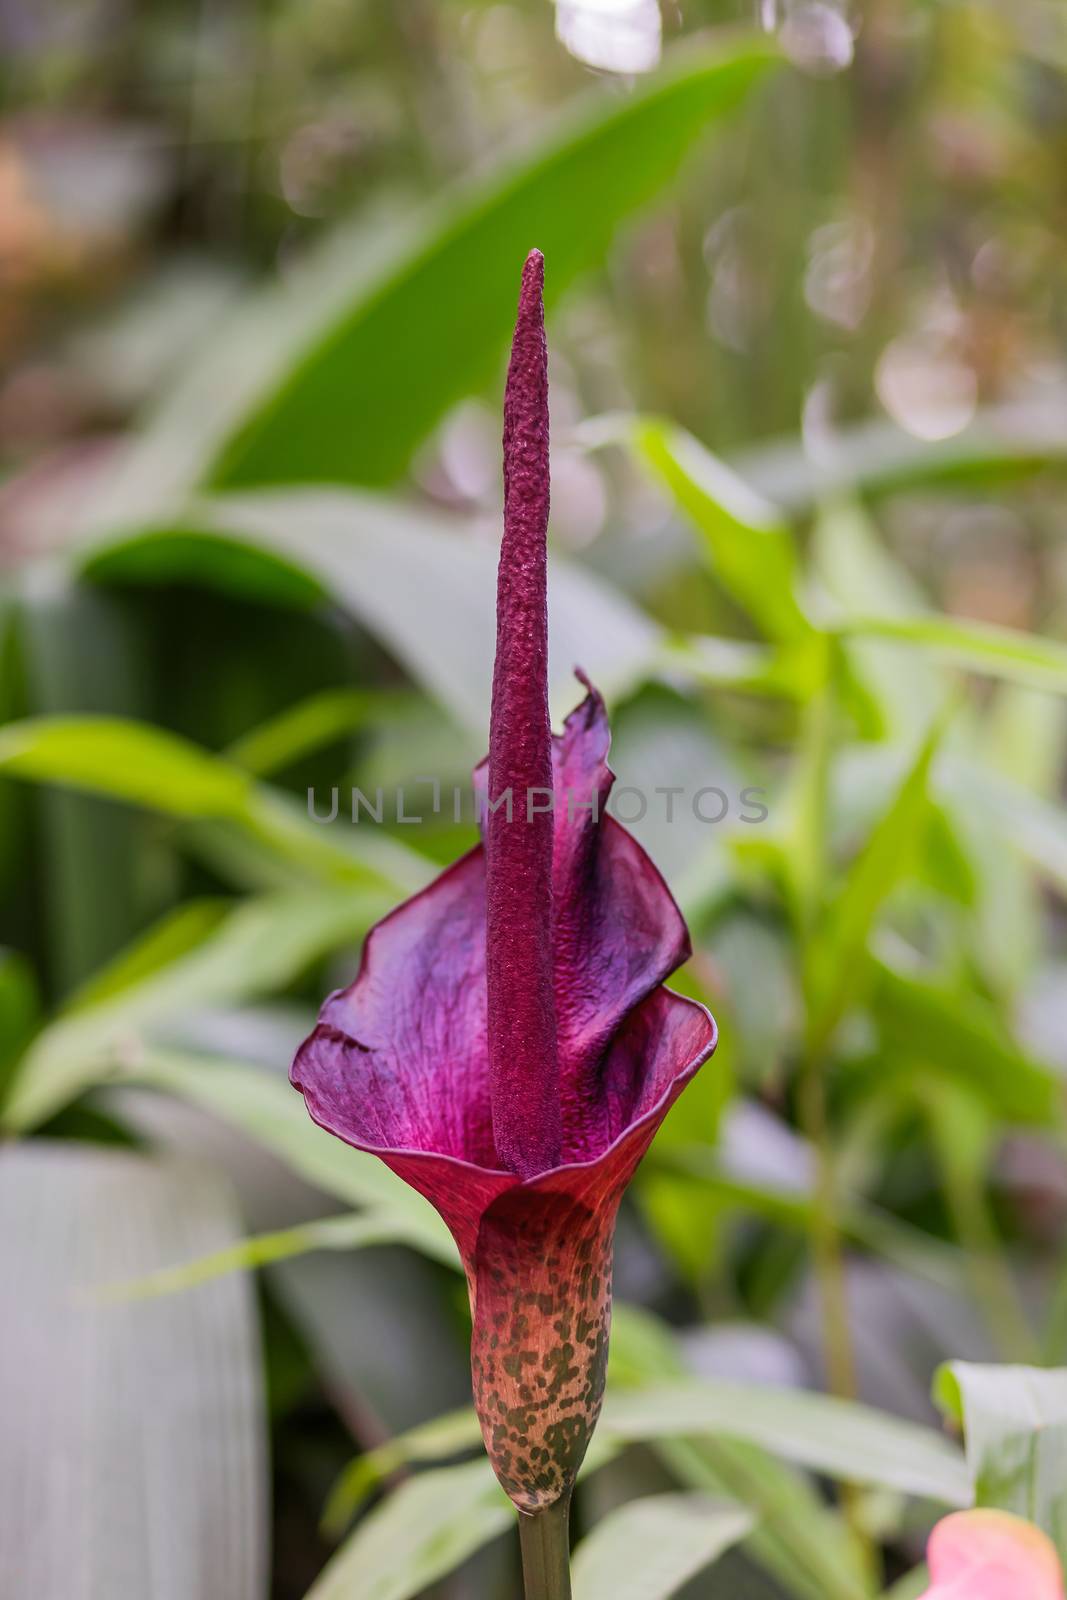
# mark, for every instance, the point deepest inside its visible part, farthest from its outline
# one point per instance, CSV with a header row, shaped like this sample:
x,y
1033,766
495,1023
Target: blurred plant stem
x,y
546,1553
810,827
811,812
825,1235
829,1263
962,1137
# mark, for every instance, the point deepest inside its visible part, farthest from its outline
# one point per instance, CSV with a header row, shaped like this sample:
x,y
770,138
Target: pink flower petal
x,y
991,1555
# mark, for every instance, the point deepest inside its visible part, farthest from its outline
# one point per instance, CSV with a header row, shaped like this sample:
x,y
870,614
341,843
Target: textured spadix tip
x,y
521,1022
533,277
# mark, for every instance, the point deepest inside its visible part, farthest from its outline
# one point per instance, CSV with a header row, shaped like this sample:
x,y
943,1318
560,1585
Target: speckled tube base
x,y
539,1350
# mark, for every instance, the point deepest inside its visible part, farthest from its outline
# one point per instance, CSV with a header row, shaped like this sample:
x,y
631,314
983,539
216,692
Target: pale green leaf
x,y
842,1438
1015,1432
425,587
422,1531
272,1113
648,1549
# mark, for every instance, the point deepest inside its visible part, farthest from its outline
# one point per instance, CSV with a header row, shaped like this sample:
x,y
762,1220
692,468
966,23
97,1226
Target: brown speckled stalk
x,y
523,1063
539,1350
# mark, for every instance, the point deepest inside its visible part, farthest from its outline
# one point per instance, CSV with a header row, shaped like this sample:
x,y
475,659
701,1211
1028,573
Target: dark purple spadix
x,y
523,1063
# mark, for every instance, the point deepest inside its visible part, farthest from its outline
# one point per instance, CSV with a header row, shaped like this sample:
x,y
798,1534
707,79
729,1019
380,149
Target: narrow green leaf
x,y
789,672
170,939
922,1021
980,646
19,1010
857,571
326,1233
257,949
912,1586
876,458
838,955
798,1539
792,1208
746,542
136,762
456,1433
647,1549
127,760
841,1438
301,729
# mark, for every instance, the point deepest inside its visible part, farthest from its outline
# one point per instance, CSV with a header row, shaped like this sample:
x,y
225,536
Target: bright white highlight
x,y
614,35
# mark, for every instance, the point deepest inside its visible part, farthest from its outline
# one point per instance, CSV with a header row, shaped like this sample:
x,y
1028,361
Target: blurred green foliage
x,y
807,294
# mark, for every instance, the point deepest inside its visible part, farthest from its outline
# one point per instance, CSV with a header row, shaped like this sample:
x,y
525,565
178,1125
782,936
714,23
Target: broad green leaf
x,y
257,949
747,544
1015,1432
134,1432
424,586
228,565
372,381
846,1440
981,647
647,1549
422,1531
269,1111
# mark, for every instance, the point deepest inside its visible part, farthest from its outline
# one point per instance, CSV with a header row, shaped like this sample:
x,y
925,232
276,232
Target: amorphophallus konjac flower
x,y
991,1555
508,1047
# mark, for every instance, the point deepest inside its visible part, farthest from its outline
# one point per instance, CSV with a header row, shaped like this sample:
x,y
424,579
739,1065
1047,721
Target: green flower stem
x,y
546,1552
